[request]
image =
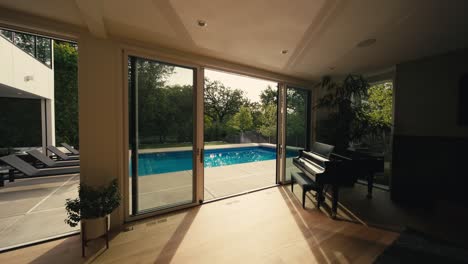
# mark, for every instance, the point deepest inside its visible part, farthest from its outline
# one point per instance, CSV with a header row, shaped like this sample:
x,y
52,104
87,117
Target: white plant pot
x,y
95,227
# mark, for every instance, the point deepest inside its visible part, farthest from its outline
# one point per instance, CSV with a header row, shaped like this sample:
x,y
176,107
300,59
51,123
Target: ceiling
x,y
320,35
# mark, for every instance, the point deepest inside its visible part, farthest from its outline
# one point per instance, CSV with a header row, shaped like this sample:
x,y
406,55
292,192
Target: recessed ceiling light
x,y
284,51
18,93
366,43
202,23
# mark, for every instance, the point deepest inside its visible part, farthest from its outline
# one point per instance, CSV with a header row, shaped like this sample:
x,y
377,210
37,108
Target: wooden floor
x,y
268,226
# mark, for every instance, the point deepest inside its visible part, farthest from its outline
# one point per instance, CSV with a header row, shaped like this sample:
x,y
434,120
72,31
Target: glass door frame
x,y
197,169
310,126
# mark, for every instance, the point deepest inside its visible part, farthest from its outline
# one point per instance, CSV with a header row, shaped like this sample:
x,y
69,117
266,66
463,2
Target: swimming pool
x,y
162,162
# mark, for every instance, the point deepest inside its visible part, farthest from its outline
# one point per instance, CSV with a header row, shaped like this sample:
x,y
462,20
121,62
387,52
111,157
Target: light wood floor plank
x,y
268,226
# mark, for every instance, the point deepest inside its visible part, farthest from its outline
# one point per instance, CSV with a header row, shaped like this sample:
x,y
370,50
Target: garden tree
x,y
296,117
43,50
25,42
221,103
179,112
66,92
379,106
269,96
242,120
268,122
153,103
256,111
377,113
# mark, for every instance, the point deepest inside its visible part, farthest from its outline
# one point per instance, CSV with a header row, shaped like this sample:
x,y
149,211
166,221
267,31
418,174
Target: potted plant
x,y
93,208
347,119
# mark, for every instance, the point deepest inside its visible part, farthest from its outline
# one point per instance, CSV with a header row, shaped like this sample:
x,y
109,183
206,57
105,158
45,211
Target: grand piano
x,y
321,168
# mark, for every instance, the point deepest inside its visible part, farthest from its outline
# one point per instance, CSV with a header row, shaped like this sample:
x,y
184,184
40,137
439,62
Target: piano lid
x,y
322,149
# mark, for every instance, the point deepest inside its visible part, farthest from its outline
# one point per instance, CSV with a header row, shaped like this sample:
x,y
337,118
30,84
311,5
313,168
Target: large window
x,y
32,208
36,46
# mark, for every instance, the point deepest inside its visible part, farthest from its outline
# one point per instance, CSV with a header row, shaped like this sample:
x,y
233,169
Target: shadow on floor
x,y
329,240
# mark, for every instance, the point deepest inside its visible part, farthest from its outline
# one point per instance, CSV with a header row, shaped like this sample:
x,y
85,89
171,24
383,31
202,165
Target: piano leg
x,y
292,184
370,185
320,196
303,197
335,190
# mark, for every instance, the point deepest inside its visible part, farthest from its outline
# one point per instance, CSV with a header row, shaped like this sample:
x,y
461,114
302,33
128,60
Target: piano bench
x,y
306,183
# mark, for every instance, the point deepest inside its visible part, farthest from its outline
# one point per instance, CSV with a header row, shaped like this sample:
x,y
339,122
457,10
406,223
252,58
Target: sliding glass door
x,y
174,161
161,135
297,126
240,132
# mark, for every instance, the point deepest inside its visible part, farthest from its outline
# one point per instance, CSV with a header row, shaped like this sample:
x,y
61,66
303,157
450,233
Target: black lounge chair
x,y
50,162
61,155
30,171
70,148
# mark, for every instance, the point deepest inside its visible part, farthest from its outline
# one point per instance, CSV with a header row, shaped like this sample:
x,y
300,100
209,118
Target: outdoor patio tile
x,y
58,197
151,183
34,226
166,197
6,222
208,195
228,187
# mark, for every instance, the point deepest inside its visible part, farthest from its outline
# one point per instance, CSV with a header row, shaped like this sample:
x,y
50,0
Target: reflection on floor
x,y
34,209
444,220
267,226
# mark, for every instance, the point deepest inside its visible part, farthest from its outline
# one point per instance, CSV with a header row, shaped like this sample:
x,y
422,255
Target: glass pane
x,y
296,126
19,115
163,122
240,133
43,50
7,34
25,42
376,139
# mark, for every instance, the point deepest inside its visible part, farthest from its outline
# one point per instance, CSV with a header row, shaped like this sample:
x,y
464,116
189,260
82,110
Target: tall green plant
x,y
348,121
66,92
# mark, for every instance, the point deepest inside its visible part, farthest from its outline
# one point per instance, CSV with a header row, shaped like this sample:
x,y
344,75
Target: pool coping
x,y
225,146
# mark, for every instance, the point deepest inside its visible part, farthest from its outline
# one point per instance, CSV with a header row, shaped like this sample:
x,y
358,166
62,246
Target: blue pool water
x,y
154,163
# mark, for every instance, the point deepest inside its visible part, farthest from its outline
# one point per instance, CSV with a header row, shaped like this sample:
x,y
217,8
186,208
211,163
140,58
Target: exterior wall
x,y
16,64
429,148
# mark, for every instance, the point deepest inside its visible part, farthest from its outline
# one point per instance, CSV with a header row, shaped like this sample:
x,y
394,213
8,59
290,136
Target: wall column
x,y
100,96
47,123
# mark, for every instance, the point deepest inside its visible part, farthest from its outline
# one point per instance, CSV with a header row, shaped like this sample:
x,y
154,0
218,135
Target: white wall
x,y
16,64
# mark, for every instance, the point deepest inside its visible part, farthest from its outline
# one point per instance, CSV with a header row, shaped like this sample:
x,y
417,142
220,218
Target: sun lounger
x,y
50,162
29,170
70,148
61,155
